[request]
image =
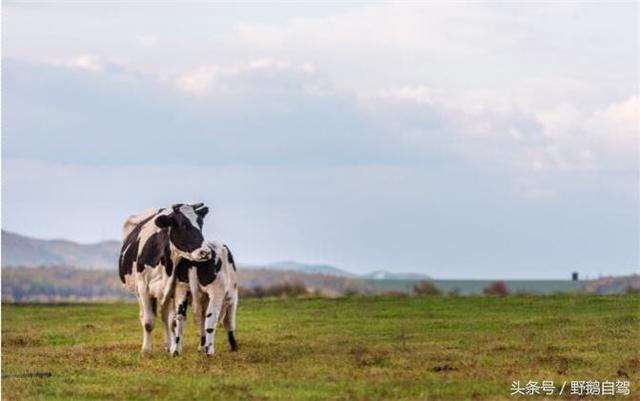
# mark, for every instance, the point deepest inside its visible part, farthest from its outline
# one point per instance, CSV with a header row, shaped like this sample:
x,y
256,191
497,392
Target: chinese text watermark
x,y
574,387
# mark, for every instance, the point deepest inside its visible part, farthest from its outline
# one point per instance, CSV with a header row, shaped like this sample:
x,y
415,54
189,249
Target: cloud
x,y
606,138
415,94
221,79
269,111
198,82
84,62
477,45
265,116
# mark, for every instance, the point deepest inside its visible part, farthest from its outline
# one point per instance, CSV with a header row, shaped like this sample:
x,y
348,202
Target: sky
x,y
456,139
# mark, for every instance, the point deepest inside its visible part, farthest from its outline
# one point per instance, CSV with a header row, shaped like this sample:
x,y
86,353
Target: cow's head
x,y
184,223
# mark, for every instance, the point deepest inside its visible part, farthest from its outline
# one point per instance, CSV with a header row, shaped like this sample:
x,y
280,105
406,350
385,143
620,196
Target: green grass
x,y
369,348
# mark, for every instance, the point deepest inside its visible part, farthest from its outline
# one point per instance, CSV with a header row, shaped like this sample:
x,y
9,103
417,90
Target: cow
x,y
213,287
155,241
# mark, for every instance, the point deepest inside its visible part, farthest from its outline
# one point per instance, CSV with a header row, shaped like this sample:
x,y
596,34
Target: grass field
x,y
371,348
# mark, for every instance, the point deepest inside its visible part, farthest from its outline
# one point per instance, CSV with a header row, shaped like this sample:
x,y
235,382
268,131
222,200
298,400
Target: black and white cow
x,y
154,243
213,286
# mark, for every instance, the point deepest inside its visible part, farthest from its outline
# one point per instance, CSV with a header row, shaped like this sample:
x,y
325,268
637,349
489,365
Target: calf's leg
x,y
203,302
230,322
216,298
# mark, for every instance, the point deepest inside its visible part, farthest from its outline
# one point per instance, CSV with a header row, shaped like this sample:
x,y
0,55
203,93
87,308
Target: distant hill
x,y
614,285
19,250
385,275
309,268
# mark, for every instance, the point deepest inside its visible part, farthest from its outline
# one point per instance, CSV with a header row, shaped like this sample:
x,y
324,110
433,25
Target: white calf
x,y
213,285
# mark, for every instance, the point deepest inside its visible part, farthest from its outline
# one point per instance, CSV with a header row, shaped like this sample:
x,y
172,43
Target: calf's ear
x,y
202,212
164,221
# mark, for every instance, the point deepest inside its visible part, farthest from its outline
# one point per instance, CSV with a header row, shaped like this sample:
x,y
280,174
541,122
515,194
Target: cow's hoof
x,y
175,351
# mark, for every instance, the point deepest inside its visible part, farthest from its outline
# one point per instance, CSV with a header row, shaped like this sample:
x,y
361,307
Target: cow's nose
x,y
204,254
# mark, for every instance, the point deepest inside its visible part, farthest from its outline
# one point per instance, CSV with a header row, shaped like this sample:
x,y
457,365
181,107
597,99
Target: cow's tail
x,y
136,219
229,257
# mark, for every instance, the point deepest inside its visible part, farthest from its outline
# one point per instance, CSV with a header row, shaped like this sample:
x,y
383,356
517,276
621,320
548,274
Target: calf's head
x,y
184,223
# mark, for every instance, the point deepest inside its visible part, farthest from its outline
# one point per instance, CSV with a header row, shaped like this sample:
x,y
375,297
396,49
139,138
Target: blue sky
x,y
459,140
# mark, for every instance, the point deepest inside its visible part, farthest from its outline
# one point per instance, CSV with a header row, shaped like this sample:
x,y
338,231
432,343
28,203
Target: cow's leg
x,y
168,322
216,299
147,316
180,301
230,321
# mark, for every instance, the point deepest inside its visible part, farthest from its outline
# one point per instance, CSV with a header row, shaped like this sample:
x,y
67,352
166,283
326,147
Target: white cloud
x,y
605,138
83,62
496,81
620,120
197,82
220,78
416,94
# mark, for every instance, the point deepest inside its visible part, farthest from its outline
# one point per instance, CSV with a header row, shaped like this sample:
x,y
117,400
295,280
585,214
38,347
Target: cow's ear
x,y
202,212
165,220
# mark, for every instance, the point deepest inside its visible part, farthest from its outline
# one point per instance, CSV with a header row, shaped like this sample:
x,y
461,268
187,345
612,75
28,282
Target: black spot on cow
x,y
182,308
154,306
207,271
202,340
230,257
154,250
127,259
129,250
167,262
182,270
232,341
209,314
209,330
148,327
178,340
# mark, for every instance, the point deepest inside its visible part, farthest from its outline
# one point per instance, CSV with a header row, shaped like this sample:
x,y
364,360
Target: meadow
x,y
358,348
